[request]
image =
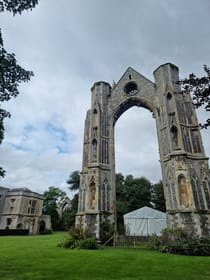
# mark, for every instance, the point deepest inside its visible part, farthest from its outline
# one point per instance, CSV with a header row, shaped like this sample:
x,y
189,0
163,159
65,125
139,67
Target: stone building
x,y
184,164
20,208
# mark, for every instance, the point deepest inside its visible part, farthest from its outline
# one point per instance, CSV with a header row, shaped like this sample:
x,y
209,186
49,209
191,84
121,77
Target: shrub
x,y
176,241
78,239
68,242
88,243
77,233
107,231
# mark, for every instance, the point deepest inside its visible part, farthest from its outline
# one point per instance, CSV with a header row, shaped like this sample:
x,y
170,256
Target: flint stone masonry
x,y
185,170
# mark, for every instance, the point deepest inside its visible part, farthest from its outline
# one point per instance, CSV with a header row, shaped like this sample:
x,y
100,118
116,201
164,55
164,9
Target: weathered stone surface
x,y
183,161
21,208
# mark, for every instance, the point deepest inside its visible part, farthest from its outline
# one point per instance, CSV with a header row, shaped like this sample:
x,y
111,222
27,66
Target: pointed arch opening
x,y
136,144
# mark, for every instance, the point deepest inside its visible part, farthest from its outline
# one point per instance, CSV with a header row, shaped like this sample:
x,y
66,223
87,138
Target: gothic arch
x,y
129,103
180,148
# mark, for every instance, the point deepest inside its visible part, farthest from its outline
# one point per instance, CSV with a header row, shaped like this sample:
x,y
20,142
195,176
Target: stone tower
x,y
184,165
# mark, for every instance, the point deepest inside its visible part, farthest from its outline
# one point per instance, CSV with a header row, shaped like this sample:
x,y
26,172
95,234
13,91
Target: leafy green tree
x,y
158,197
11,74
139,192
131,194
121,200
69,217
17,6
53,200
199,88
73,181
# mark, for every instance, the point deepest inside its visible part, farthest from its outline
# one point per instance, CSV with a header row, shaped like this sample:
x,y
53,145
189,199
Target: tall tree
x,y
199,88
17,6
158,197
53,200
131,194
11,74
121,199
73,181
69,217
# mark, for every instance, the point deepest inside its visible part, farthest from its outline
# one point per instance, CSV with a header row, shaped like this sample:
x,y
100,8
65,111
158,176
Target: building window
x,y
12,201
32,207
9,220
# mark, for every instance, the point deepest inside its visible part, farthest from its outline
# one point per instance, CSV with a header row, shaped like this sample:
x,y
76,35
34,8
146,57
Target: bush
x,y
107,231
68,242
78,239
77,233
88,243
176,241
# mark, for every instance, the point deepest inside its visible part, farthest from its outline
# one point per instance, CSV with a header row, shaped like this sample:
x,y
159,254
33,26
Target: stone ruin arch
x,y
185,171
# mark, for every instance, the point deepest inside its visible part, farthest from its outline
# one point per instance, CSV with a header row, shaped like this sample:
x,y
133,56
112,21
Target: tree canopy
x,y
158,197
199,88
11,74
73,181
53,200
17,6
131,194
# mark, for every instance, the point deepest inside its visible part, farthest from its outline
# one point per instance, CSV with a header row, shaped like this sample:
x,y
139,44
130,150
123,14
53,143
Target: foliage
x,y
176,241
17,6
200,90
68,242
131,194
2,172
88,243
11,74
69,216
78,238
77,233
37,257
53,199
107,231
74,180
158,197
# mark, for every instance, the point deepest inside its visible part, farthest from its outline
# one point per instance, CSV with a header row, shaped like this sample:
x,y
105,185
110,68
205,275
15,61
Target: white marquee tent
x,y
144,222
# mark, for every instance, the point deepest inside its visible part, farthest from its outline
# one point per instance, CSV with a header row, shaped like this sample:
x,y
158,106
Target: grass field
x,y
37,257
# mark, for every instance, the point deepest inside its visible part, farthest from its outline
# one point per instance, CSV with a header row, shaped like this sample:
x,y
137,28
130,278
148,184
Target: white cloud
x,y
71,44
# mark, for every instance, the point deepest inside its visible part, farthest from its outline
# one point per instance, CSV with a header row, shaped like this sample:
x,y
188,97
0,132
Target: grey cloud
x,y
70,45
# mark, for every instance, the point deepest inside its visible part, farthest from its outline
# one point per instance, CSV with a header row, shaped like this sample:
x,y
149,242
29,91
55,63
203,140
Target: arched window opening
x,y
183,191
20,226
94,149
169,96
175,139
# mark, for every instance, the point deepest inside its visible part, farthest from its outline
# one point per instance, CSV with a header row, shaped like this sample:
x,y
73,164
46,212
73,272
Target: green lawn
x,y
37,257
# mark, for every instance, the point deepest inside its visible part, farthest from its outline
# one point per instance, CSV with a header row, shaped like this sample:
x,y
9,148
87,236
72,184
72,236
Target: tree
x,y
131,194
17,6
53,200
158,197
11,74
73,181
69,217
121,199
199,88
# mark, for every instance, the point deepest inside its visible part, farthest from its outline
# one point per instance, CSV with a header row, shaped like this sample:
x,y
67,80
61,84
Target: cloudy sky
x,y
69,45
